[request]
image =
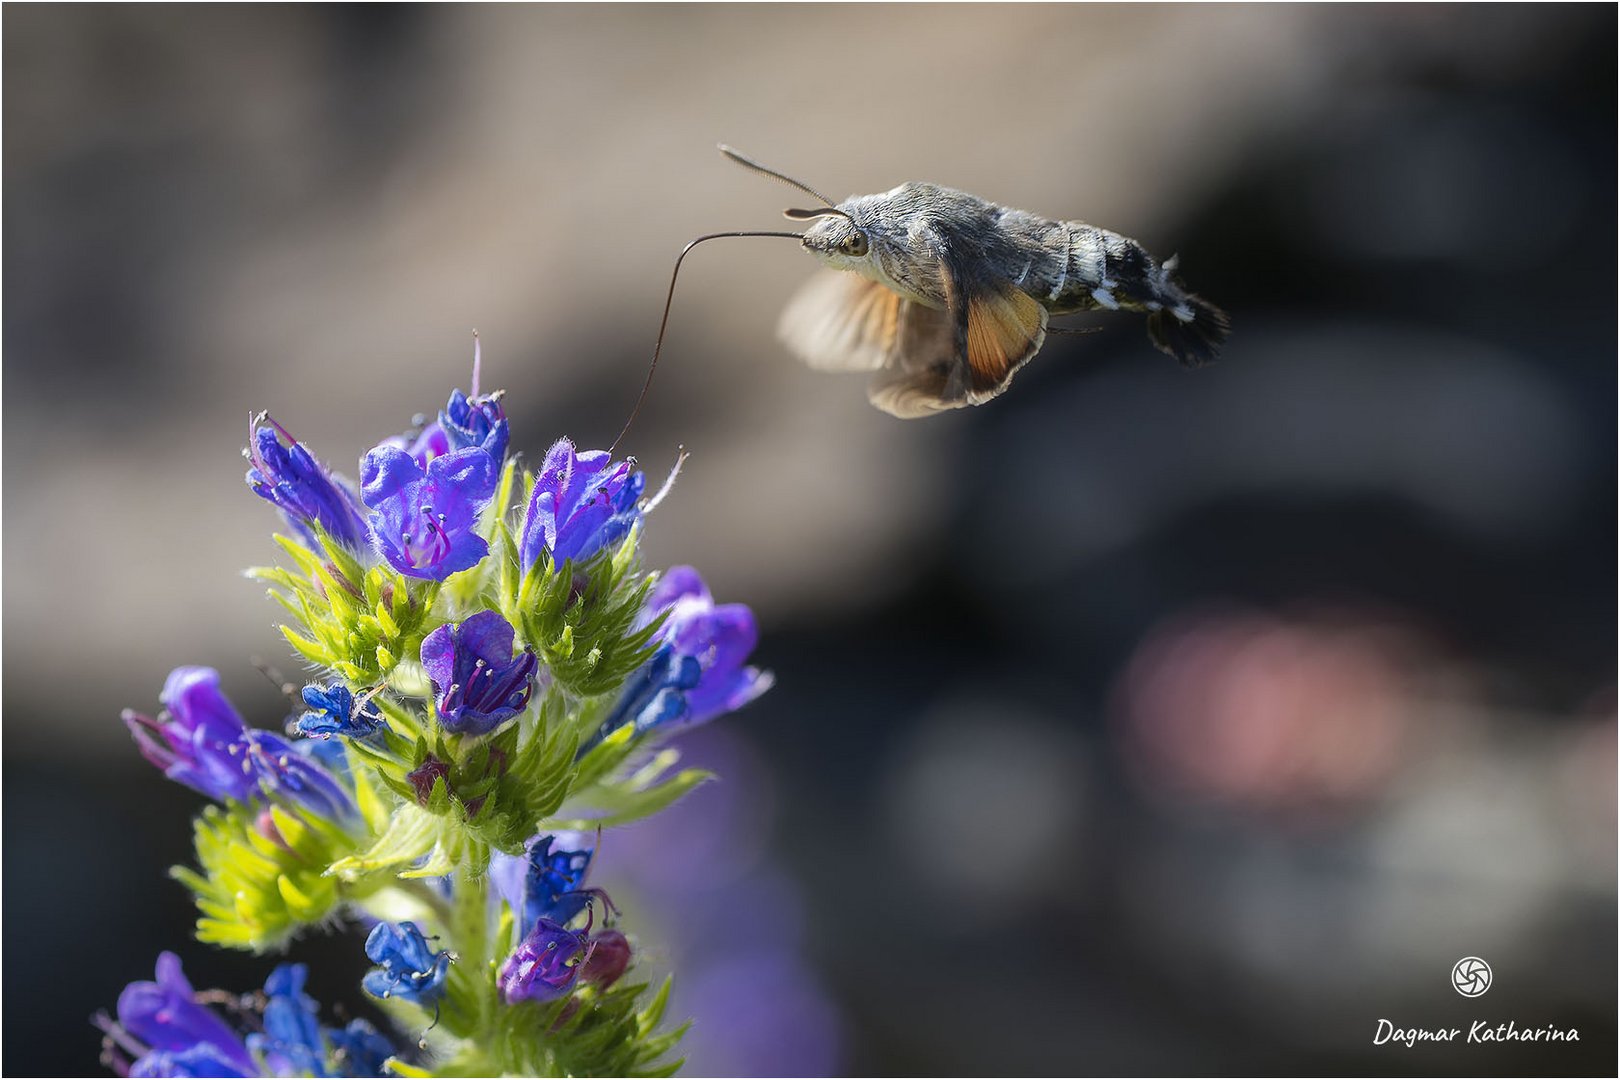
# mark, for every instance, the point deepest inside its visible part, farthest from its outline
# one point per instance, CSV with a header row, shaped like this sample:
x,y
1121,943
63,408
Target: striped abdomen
x,y
1105,270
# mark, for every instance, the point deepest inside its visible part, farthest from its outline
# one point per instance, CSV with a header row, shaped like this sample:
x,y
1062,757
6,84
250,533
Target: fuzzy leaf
x,y
617,805
411,835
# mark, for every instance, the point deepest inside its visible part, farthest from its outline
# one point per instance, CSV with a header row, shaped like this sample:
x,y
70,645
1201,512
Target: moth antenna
x,y
818,212
797,215
664,322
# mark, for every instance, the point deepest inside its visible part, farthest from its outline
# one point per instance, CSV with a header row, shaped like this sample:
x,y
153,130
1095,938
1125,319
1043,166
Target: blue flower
x,y
291,1044
423,520
410,970
655,695
545,883
292,775
544,965
582,503
477,683
479,421
177,1036
301,487
359,1049
553,884
199,740
331,712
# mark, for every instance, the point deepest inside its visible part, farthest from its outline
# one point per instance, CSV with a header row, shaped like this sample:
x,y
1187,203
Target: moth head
x,y
836,237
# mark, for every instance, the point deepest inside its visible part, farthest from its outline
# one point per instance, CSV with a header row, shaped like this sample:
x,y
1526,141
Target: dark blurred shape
x,y
986,810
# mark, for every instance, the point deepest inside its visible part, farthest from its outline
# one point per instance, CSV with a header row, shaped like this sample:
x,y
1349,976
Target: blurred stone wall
x,y
1145,720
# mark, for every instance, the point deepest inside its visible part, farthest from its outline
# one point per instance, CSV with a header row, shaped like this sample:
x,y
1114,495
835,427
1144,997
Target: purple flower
x,y
544,965
410,970
720,637
699,670
199,740
301,487
582,503
424,444
179,1036
331,712
423,520
479,421
477,683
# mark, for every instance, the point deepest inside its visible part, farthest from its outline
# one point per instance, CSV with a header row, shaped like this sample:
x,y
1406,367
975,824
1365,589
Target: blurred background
x,y
1141,721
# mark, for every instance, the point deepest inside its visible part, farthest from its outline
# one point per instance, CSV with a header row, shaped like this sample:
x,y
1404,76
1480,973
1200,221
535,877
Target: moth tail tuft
x,y
1192,331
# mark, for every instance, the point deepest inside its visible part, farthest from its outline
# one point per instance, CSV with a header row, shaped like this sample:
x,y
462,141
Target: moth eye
x,y
856,245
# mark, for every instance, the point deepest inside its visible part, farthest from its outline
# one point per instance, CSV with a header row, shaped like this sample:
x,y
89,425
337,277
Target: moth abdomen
x,y
1113,272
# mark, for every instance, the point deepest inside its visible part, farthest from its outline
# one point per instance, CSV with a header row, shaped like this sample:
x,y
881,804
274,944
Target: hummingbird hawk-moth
x,y
944,296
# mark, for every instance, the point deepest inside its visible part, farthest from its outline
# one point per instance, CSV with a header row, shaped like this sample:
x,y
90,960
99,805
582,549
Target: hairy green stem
x,y
469,929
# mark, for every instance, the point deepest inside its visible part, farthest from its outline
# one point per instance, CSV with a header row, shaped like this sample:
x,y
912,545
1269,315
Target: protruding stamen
x,y
681,454
252,448
283,432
